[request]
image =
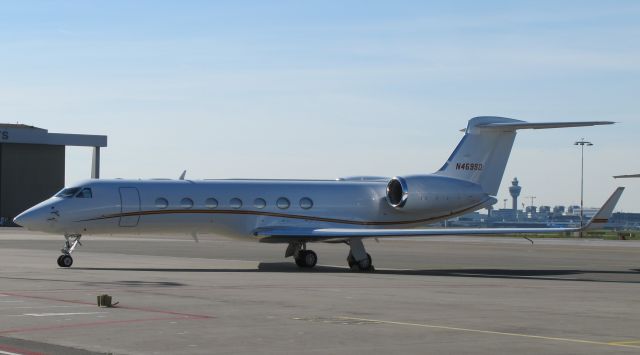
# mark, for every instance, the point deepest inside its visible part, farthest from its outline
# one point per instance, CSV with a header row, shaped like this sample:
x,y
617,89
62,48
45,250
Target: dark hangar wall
x,y
29,174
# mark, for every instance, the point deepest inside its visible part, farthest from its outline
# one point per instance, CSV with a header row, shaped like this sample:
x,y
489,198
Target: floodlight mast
x,y
582,143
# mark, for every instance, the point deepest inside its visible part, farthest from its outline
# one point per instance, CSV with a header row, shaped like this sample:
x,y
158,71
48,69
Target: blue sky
x,y
321,89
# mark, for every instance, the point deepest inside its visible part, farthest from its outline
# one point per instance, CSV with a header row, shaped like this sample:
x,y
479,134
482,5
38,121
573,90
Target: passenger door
x,y
129,202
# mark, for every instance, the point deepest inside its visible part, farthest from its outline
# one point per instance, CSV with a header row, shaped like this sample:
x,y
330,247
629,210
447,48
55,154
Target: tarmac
x,y
454,295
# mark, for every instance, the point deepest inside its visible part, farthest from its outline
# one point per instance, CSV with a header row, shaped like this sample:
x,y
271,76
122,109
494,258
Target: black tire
x,y
60,260
360,266
310,258
365,265
351,260
66,261
306,259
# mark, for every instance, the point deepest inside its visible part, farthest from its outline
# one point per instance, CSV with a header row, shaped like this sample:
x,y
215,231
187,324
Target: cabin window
x,y
306,203
85,193
162,202
259,203
186,203
68,193
211,203
283,203
235,203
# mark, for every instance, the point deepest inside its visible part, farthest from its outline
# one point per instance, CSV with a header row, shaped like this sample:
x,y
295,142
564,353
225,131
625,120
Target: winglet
x,y
602,217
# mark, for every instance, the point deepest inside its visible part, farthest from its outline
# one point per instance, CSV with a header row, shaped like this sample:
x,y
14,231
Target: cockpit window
x,y
85,193
68,193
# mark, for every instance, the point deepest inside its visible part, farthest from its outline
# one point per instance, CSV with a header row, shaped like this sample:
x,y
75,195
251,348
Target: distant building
x,y
542,216
32,165
573,210
558,210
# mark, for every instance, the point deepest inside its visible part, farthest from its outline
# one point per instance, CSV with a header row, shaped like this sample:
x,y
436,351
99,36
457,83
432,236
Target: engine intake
x,y
397,192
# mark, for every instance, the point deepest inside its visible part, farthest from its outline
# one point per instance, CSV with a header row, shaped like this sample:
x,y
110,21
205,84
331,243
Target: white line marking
x,y
346,267
8,353
593,342
35,307
60,314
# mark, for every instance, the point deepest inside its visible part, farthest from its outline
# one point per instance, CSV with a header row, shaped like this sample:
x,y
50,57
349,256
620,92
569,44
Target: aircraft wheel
x,y
351,261
65,261
307,259
365,265
310,258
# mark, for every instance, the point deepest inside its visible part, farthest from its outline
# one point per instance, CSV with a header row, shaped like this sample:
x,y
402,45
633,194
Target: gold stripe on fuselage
x,y
279,215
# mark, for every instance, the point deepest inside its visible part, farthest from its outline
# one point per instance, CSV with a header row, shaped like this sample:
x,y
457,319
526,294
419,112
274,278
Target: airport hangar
x,y
32,165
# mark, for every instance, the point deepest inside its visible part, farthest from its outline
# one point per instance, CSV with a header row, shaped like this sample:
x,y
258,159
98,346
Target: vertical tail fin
x,y
482,154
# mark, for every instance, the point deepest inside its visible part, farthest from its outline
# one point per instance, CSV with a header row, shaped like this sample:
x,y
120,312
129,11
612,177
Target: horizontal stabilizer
x,y
482,154
626,176
540,125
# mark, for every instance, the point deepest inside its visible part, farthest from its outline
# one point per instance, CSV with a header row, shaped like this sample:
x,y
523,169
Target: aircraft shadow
x,y
630,276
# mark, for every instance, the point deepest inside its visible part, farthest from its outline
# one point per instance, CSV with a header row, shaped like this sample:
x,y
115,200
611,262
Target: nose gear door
x,y
130,204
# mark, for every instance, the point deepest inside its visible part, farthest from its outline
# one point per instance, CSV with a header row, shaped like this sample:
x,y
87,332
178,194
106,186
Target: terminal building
x,y
32,165
534,216
539,216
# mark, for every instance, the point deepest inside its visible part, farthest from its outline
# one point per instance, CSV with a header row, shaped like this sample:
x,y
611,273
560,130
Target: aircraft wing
x,y
626,176
286,235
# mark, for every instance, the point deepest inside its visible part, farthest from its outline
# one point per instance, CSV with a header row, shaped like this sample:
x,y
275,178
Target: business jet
x,y
299,212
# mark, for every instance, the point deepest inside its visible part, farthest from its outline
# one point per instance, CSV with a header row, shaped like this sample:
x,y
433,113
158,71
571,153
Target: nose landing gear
x,y
65,260
71,241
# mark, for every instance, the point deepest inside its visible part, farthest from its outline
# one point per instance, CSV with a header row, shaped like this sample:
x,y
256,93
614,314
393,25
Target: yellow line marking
x,y
581,341
625,342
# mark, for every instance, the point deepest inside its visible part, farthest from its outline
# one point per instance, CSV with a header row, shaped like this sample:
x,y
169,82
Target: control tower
x,y
514,190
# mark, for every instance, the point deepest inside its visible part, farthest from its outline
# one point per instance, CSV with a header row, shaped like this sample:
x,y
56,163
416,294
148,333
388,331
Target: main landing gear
x,y
71,241
304,258
359,260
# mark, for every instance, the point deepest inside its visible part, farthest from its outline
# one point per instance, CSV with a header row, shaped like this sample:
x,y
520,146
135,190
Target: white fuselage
x,y
237,208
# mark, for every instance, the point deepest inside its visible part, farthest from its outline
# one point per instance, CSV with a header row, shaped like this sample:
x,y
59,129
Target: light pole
x,y
582,143
532,198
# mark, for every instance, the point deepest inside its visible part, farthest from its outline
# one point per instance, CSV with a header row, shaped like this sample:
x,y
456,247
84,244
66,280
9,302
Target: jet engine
x,y
423,193
397,192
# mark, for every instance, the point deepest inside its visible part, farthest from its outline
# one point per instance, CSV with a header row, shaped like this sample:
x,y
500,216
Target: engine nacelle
x,y
397,192
423,193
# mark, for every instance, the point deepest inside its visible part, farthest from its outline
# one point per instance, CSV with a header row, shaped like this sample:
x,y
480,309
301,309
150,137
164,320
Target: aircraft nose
x,y
31,219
